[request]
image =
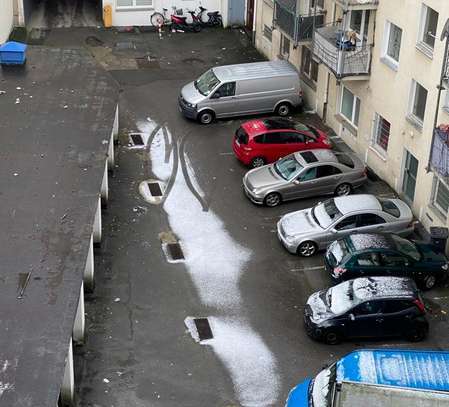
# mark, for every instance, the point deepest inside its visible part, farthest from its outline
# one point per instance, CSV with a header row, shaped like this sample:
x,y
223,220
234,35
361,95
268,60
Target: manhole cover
x,y
155,189
175,251
94,41
203,328
136,139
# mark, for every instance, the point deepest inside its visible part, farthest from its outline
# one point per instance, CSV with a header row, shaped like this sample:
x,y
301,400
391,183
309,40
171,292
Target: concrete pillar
x,y
105,186
97,223
111,157
68,382
116,125
79,325
89,281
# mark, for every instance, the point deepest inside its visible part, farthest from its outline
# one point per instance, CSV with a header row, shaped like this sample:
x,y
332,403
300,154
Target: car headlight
x,y
445,267
289,239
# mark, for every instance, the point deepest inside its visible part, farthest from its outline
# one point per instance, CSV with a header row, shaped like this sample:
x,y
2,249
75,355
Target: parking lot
x,y
235,272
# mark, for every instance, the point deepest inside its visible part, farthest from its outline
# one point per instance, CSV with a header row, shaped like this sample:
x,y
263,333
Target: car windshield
x,y
337,250
206,82
340,298
288,167
320,391
406,247
326,213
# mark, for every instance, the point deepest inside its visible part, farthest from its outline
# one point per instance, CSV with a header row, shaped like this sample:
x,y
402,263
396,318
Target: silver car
x,y
306,231
304,174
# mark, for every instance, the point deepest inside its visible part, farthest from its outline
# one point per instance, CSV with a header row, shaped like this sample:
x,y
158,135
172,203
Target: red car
x,y
259,142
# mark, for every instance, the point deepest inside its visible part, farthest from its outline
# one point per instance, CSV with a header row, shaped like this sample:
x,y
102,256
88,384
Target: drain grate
x,y
155,188
136,139
175,251
203,328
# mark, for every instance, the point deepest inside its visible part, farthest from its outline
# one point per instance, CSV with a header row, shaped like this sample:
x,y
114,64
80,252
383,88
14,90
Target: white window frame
x,y
437,181
387,59
134,6
375,134
283,39
266,28
354,107
421,45
415,119
362,35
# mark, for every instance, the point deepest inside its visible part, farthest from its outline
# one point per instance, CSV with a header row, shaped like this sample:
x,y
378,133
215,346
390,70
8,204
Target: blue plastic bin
x,y
13,53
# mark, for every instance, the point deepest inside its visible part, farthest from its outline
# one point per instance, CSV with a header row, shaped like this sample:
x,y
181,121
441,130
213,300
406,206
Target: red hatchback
x,y
260,142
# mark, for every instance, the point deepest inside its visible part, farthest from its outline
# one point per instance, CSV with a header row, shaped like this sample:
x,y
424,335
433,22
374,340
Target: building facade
x,y
371,70
6,19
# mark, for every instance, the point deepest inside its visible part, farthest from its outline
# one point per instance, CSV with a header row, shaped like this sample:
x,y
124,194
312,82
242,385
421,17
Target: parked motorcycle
x,y
177,21
214,18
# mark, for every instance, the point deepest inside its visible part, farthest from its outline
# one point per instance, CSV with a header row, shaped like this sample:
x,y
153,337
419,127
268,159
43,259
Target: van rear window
x,y
241,136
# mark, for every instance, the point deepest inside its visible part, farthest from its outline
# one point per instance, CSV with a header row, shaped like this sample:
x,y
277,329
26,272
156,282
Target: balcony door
x,y
409,176
358,21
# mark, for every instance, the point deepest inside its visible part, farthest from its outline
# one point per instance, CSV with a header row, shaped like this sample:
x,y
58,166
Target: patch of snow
x,y
4,387
367,366
321,388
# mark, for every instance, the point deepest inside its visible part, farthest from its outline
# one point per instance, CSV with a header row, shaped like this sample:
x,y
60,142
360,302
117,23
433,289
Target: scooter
x,y
214,18
179,23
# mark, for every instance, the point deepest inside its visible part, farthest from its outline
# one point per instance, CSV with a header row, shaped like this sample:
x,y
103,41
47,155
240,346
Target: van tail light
x,y
339,270
420,305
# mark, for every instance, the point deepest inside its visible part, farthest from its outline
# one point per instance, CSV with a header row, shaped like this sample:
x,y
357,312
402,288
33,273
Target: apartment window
x,y
285,45
309,67
409,176
134,3
381,133
267,32
418,103
318,3
440,196
392,44
350,106
428,28
358,22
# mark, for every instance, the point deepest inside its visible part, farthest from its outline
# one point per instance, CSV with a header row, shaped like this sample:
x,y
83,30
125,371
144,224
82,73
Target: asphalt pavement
x,y
139,351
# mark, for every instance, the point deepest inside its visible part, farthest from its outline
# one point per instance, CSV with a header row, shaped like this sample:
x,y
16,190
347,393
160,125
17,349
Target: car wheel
x,y
343,189
272,199
257,162
332,337
206,117
416,334
307,249
429,282
283,109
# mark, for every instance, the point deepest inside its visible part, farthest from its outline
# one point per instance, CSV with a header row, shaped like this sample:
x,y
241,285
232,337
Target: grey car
x,y
306,231
304,174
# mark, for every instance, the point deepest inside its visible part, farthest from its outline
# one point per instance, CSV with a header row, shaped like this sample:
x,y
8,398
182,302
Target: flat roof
x,y
56,121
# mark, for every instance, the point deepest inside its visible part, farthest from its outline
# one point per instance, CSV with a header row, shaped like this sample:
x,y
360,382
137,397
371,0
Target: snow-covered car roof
x,y
357,203
364,241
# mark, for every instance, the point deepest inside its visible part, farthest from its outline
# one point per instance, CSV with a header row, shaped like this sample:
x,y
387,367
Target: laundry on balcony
x,y
440,150
346,41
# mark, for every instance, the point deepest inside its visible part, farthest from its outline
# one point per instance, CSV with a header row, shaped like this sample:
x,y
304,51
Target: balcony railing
x,y
358,4
440,153
297,27
340,57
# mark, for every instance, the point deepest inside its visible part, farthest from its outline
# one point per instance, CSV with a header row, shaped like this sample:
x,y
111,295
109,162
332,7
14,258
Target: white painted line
x,y
440,298
308,268
231,153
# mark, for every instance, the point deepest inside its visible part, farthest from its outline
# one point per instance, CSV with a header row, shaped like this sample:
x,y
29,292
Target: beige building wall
x,y
6,19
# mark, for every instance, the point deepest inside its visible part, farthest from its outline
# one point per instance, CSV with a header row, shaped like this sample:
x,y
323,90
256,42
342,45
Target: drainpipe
x,y
326,93
444,66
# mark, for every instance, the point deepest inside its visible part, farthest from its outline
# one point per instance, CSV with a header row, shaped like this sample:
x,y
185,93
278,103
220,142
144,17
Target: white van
x,y
236,90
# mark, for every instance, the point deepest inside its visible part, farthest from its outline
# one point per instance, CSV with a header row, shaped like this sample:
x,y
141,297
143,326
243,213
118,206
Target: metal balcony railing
x,y
440,153
343,60
297,27
358,4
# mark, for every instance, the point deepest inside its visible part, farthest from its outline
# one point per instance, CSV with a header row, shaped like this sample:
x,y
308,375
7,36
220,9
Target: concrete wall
x,y
6,19
142,16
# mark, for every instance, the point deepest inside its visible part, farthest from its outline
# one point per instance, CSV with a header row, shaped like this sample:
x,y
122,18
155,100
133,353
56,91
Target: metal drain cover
x,y
203,328
175,251
155,189
152,191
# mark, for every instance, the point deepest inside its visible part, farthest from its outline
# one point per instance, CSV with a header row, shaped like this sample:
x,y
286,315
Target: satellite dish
x,y
445,32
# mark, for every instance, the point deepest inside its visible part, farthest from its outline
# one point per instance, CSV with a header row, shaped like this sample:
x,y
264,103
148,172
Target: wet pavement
x,y
139,350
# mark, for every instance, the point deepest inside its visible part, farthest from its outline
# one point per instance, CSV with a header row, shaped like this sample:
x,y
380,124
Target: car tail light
x,y
247,148
420,305
339,270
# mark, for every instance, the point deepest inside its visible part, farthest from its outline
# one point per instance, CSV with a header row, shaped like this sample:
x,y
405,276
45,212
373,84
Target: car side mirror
x,y
352,317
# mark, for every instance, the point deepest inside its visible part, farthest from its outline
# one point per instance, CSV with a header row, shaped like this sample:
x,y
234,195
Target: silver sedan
x,y
304,174
306,231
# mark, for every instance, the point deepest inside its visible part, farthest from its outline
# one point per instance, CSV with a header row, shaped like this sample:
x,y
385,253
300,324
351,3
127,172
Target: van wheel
x,y
257,162
284,109
332,337
206,117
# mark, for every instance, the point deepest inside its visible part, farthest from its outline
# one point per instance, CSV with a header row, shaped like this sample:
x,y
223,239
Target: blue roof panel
x,y
427,370
13,46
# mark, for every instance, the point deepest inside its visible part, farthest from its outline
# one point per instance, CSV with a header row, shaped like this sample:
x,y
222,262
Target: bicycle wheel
x,y
157,19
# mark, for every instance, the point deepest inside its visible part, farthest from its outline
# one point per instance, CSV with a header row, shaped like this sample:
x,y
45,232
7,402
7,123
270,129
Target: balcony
x,y
358,4
341,59
298,27
439,162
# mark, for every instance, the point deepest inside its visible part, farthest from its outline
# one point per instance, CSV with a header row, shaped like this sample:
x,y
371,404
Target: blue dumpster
x,y
13,53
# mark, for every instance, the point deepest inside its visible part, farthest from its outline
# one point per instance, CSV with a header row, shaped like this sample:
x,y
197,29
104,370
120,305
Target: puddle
x,y
152,191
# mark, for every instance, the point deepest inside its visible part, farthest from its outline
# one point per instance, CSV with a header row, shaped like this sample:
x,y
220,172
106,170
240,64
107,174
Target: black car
x,y
367,308
362,255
